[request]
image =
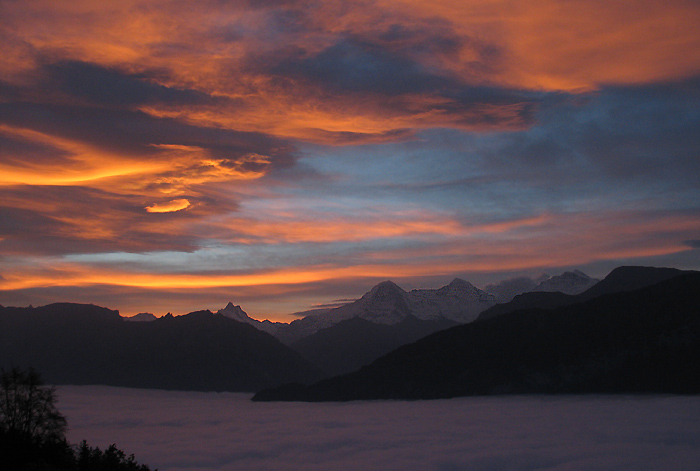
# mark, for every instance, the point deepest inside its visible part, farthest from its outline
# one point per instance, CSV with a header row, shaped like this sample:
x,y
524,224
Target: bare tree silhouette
x,y
28,408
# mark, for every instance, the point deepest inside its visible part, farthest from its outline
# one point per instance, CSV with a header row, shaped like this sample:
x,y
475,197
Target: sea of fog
x,y
172,431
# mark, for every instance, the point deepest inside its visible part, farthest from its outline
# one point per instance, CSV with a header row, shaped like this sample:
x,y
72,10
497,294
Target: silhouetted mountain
x,y
388,304
352,343
646,340
619,280
629,279
535,300
84,344
141,317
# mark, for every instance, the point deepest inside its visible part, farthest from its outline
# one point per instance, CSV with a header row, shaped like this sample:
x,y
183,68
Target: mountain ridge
x,y
620,279
387,303
645,340
87,344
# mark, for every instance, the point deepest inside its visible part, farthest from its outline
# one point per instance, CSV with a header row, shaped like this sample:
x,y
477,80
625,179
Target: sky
x,y
170,156
195,431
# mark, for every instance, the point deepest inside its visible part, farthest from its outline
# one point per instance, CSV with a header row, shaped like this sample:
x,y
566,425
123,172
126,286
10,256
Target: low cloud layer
x,y
187,431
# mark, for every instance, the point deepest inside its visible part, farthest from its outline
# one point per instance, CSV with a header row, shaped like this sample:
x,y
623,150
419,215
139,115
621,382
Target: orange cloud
x,y
573,45
85,164
544,241
539,45
322,229
169,207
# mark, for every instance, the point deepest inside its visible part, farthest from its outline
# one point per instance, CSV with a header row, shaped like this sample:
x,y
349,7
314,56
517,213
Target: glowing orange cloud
x,y
561,246
169,207
573,45
388,225
531,244
174,171
88,164
538,45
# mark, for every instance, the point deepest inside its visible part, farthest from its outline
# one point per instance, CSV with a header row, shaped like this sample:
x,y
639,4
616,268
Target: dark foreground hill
x,y
625,278
86,344
640,341
352,343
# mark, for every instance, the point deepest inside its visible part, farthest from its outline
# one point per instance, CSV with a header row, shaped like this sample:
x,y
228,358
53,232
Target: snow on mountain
x,y
237,314
387,303
574,282
459,301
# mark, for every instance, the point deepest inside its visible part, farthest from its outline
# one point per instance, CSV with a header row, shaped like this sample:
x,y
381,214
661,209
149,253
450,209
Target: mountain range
x,y
386,303
621,279
228,350
86,344
616,339
342,339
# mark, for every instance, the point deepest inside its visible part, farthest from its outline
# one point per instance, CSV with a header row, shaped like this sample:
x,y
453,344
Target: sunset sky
x,y
172,155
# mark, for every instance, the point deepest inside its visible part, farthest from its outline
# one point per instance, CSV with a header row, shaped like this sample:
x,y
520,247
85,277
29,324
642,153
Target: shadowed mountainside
x,y
86,344
355,342
646,340
621,279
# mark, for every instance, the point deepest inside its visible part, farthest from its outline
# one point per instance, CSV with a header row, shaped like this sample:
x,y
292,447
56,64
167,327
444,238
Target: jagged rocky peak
x,y
233,312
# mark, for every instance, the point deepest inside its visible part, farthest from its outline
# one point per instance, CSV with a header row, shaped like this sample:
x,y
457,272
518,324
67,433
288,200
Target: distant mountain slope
x,y
84,344
388,304
535,300
570,282
646,340
355,342
630,278
621,279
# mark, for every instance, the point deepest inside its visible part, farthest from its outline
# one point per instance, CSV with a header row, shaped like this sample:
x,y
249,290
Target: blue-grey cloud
x,y
391,71
102,86
178,431
693,244
23,152
353,66
134,132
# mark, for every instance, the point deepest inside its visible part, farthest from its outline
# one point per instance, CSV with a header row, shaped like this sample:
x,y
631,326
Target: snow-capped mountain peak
x,y
460,283
388,303
385,288
238,314
234,312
